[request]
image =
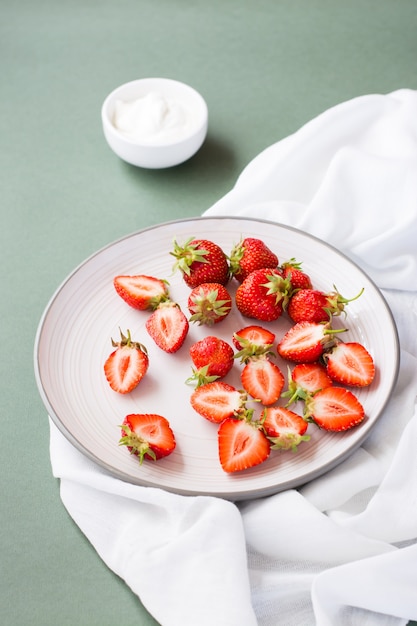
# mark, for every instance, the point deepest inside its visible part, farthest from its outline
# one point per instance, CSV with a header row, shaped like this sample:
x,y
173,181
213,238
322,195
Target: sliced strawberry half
x,y
125,367
148,436
350,364
305,342
217,401
242,444
305,379
254,335
311,376
284,428
335,409
168,326
253,341
263,380
141,292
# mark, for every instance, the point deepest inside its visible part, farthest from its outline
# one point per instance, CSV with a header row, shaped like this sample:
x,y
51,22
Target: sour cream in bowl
x,y
155,122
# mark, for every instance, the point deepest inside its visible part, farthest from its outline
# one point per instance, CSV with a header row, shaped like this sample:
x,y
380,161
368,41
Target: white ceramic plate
x,y
74,339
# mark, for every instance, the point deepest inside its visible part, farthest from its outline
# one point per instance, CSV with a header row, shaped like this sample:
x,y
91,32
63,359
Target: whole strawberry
x,y
213,355
201,261
209,303
248,255
299,280
312,305
263,295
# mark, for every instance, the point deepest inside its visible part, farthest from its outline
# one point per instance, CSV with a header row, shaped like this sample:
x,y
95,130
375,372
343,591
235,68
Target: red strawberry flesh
x,y
147,436
241,445
350,364
311,376
254,335
285,429
334,409
216,401
305,342
141,292
125,367
168,327
263,380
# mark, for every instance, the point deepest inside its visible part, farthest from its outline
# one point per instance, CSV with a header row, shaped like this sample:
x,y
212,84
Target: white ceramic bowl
x,y
156,143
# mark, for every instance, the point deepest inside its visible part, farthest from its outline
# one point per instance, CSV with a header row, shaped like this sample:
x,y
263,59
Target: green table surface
x,y
265,68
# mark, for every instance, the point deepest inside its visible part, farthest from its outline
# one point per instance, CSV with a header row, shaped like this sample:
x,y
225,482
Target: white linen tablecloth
x,y
341,550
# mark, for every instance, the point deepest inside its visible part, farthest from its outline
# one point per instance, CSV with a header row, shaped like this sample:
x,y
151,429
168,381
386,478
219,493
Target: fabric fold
x,y
176,553
347,177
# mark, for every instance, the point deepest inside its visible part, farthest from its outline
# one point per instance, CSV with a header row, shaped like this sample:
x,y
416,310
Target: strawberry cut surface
x,y
335,409
216,401
241,445
305,342
147,436
350,364
141,292
311,376
125,367
285,428
263,380
168,327
253,335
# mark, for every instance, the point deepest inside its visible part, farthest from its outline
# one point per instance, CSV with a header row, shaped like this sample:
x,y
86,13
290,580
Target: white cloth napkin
x,y
343,549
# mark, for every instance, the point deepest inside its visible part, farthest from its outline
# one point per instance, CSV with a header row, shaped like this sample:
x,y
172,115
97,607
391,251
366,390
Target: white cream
x,y
151,118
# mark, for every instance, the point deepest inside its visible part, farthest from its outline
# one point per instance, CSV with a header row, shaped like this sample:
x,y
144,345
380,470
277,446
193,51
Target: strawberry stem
x,y
126,340
337,302
201,377
288,441
136,445
294,391
186,255
251,350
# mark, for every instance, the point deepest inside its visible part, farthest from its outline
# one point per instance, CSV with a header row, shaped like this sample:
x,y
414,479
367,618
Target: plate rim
x,y
251,493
